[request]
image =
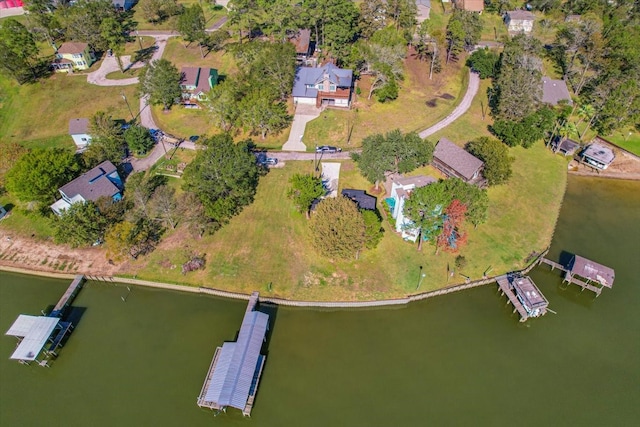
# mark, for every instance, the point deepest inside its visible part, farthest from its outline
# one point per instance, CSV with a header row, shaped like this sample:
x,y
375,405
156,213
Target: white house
x,y
401,188
79,131
519,21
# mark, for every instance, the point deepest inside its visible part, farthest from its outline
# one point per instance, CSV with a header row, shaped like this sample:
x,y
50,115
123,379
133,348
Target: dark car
x,y
328,149
194,138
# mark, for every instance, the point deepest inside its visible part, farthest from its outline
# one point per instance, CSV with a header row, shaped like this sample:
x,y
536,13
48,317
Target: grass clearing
x,y
212,14
629,139
58,99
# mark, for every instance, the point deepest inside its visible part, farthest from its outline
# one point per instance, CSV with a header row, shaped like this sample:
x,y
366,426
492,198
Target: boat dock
x,y
591,271
34,332
524,295
236,367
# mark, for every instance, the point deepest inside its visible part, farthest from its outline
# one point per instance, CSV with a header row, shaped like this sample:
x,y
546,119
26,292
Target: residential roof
x,y
199,77
529,293
417,181
236,366
588,269
522,15
78,126
457,158
599,153
93,184
362,199
34,331
471,5
554,91
72,47
312,76
301,41
567,145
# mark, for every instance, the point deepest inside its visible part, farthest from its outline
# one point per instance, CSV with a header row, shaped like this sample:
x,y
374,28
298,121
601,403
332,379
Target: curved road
x,y
472,90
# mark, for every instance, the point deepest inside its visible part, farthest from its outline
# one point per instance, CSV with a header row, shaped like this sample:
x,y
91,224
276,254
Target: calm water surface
x,y
461,359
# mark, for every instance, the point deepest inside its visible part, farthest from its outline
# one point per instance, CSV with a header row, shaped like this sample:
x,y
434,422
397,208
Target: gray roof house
x,y
101,181
565,146
454,161
519,21
554,91
79,131
597,155
197,82
323,86
360,198
401,188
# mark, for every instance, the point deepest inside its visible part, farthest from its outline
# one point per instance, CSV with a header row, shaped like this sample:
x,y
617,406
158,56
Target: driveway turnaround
x,y
472,89
304,114
330,177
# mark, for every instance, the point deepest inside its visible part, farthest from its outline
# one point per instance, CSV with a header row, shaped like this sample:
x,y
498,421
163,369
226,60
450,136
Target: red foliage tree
x,y
452,236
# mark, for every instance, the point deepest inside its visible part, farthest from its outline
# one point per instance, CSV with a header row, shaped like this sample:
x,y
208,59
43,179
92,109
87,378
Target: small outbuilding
x,y
598,156
592,271
79,131
360,198
423,10
455,162
530,296
566,146
470,5
519,21
555,91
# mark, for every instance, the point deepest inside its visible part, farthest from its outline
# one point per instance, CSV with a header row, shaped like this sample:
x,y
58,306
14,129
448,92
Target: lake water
x,y
460,359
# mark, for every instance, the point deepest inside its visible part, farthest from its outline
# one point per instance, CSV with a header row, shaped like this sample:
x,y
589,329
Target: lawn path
x,y
472,90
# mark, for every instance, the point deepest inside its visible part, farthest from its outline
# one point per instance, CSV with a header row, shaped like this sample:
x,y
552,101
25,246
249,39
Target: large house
x,y
455,162
470,5
73,56
323,86
79,131
519,21
401,188
101,181
554,91
597,155
197,82
423,10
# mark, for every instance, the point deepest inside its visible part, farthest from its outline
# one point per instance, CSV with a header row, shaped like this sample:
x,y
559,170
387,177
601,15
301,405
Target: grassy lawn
x,y
130,73
409,112
493,27
59,98
182,54
628,139
23,222
134,46
211,14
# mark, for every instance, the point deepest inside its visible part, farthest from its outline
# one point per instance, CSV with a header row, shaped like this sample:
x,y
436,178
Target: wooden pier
x,y
507,289
68,296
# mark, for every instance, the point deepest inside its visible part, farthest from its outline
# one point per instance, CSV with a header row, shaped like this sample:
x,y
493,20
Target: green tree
x,y
160,80
138,139
80,225
157,11
18,51
337,228
139,190
526,131
132,239
403,13
224,176
383,58
38,174
471,26
495,155
305,188
339,27
373,231
114,34
107,142
483,62
191,23
82,21
372,17
223,103
455,39
164,206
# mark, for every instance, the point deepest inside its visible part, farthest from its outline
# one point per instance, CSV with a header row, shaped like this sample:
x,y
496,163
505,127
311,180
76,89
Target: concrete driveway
x,y
303,115
330,177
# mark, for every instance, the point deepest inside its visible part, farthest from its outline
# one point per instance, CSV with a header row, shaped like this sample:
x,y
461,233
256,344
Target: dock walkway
x,y
507,289
68,296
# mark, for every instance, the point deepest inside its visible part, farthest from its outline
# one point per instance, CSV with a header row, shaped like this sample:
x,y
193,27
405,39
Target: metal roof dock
x,y
234,373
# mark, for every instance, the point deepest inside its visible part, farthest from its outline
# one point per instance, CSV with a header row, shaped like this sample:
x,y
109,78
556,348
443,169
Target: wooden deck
x,y
201,399
507,289
254,389
68,296
568,277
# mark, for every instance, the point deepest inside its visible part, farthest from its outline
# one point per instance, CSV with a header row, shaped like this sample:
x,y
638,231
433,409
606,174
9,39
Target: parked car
x,y
328,149
271,161
194,138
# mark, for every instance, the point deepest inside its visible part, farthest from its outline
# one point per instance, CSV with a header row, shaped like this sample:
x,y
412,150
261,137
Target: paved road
x,y
284,156
218,24
472,89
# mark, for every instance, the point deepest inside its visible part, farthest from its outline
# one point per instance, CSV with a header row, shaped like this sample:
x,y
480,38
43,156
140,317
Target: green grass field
x,y
211,14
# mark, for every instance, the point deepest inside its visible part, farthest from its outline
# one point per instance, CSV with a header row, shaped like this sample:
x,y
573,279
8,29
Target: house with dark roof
x,y
304,46
470,5
401,188
323,86
360,198
79,131
197,82
555,91
455,162
519,21
101,181
597,155
592,271
565,146
73,56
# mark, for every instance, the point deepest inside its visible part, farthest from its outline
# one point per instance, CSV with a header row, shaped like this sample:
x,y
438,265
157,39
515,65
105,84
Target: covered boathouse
x,y
234,374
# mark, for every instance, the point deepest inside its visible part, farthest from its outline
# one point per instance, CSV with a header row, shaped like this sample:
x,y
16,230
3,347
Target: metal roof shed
x,y
591,270
34,331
